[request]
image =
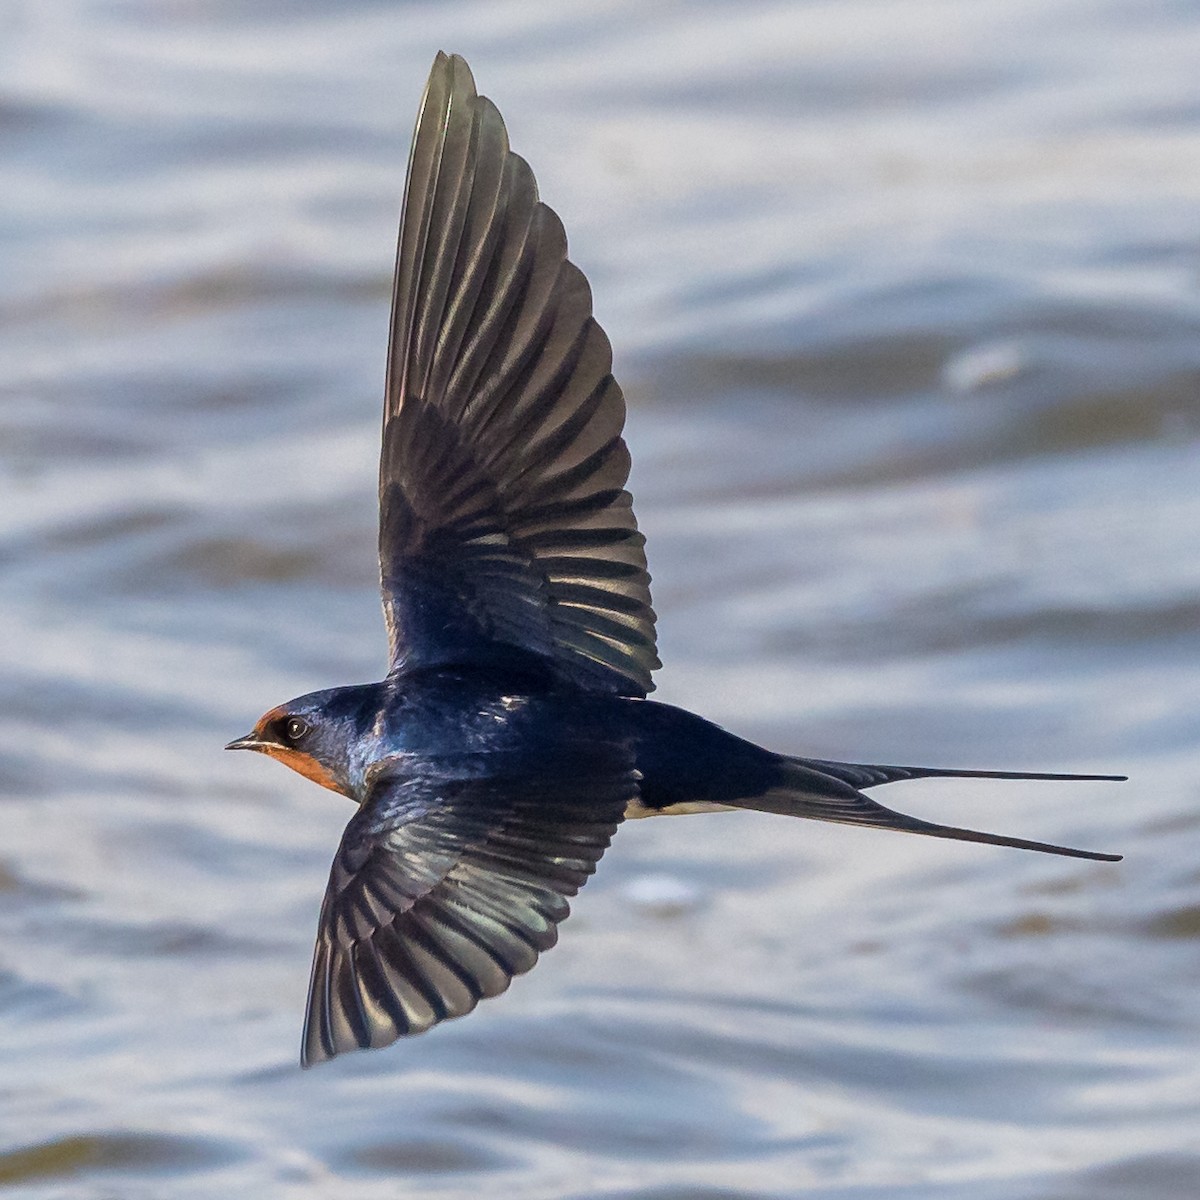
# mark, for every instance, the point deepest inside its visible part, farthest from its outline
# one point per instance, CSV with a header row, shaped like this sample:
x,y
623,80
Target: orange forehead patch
x,y
304,764
269,718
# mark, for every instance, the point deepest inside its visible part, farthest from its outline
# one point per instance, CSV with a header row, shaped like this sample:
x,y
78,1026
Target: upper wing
x,y
504,520
449,881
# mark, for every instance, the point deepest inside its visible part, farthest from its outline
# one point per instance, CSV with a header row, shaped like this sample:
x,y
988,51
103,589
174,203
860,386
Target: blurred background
x,y
905,298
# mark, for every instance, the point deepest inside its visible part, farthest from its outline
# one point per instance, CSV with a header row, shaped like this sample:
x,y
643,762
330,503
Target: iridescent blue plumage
x,y
511,735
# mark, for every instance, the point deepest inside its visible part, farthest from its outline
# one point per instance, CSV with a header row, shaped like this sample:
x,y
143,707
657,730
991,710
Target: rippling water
x,y
906,299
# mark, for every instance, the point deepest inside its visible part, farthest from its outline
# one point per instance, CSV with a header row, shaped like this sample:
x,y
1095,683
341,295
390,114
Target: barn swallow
x,y
512,733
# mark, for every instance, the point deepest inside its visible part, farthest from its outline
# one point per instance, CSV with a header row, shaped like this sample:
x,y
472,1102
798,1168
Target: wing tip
x,y
455,71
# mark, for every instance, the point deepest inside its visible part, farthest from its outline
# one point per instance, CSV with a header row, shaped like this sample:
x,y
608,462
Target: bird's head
x,y
308,734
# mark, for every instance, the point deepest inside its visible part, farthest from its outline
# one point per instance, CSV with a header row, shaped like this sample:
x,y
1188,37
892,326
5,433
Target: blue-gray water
x,y
906,300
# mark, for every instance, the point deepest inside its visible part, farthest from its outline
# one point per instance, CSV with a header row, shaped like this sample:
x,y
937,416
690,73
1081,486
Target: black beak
x,y
249,742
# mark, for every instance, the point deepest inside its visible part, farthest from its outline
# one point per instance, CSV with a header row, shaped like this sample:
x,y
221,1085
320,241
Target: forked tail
x,y
829,791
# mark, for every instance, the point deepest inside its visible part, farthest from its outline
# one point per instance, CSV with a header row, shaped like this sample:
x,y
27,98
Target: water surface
x,y
906,301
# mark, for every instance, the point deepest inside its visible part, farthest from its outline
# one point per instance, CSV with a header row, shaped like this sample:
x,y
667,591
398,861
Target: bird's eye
x,y
295,728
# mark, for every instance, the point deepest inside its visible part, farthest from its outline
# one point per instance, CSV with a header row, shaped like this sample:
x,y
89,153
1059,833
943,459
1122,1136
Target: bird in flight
x,y
512,733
